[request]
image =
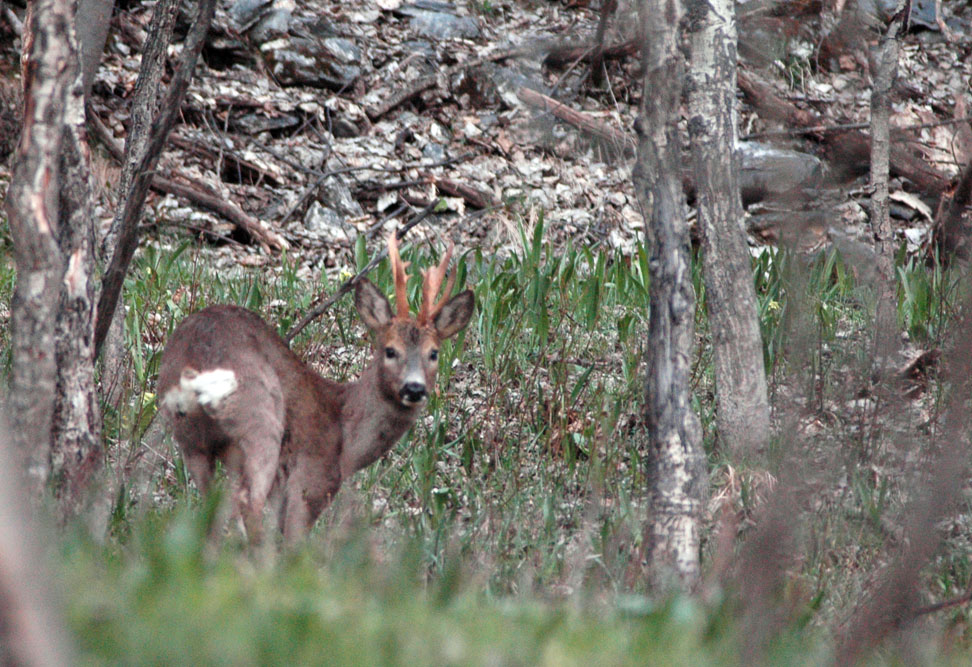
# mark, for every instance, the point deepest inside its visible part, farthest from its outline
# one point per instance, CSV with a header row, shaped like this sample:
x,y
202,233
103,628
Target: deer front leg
x,y
309,489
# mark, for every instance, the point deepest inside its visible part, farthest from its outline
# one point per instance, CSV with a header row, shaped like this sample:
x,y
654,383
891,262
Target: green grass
x,y
506,526
165,598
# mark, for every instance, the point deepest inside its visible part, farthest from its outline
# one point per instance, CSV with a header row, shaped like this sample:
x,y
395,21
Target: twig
x,y
348,284
945,604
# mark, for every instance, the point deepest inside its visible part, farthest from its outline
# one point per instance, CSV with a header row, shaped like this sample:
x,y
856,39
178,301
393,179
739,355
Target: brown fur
x,y
286,429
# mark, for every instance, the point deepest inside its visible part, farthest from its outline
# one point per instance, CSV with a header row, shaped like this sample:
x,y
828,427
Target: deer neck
x,y
371,423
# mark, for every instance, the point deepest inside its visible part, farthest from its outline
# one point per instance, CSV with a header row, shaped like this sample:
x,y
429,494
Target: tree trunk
x,y
32,630
54,410
145,102
55,419
742,408
127,230
50,68
76,451
676,462
884,69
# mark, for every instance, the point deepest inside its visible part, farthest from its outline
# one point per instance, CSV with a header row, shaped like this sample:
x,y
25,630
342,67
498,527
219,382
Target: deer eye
x,y
434,355
390,353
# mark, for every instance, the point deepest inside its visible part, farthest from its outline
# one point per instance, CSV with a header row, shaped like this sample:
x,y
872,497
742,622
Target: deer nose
x,y
412,392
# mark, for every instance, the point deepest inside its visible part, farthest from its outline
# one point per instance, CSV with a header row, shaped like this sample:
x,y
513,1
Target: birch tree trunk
x,y
742,406
54,410
676,463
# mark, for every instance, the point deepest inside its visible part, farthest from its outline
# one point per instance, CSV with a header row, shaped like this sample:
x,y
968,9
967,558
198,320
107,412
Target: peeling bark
x,y
53,404
742,409
676,463
33,211
76,452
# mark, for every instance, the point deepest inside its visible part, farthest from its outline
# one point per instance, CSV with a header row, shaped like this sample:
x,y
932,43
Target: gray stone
x,y
767,172
299,61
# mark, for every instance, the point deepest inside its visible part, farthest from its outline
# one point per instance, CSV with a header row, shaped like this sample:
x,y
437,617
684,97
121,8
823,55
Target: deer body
x,y
236,393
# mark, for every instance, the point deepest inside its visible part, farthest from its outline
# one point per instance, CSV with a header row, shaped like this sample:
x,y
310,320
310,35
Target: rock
x,y
262,20
327,224
337,195
768,172
434,152
245,13
255,123
299,61
438,21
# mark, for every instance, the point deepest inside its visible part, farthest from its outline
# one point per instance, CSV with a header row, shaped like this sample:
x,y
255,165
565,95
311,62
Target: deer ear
x,y
454,316
372,305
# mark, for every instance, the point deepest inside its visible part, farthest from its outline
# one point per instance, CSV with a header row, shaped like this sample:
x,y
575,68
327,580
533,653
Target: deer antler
x,y
398,271
431,283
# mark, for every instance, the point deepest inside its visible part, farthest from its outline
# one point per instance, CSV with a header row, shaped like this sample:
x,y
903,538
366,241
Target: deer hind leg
x,y
198,438
201,467
253,419
255,479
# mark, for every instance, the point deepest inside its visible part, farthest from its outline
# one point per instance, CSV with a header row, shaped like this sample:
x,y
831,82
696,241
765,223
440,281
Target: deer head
x,y
406,347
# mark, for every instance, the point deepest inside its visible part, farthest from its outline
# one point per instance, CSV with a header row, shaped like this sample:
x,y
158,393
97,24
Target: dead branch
x,y
840,127
582,121
564,55
468,193
198,193
195,192
237,162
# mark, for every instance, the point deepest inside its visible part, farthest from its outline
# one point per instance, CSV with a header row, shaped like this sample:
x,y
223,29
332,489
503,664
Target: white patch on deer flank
x,y
212,386
206,389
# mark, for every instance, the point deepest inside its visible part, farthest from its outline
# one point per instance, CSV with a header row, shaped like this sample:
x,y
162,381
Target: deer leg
x,y
252,420
200,466
308,491
257,470
294,514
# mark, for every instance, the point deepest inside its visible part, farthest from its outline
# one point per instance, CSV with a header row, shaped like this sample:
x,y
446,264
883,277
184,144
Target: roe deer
x,y
237,393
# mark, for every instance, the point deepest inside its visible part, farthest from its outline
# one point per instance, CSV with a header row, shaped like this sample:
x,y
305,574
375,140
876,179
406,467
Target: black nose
x,y
412,392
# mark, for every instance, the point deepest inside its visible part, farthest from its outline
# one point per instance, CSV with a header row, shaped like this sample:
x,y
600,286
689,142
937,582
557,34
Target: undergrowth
x,y
506,527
